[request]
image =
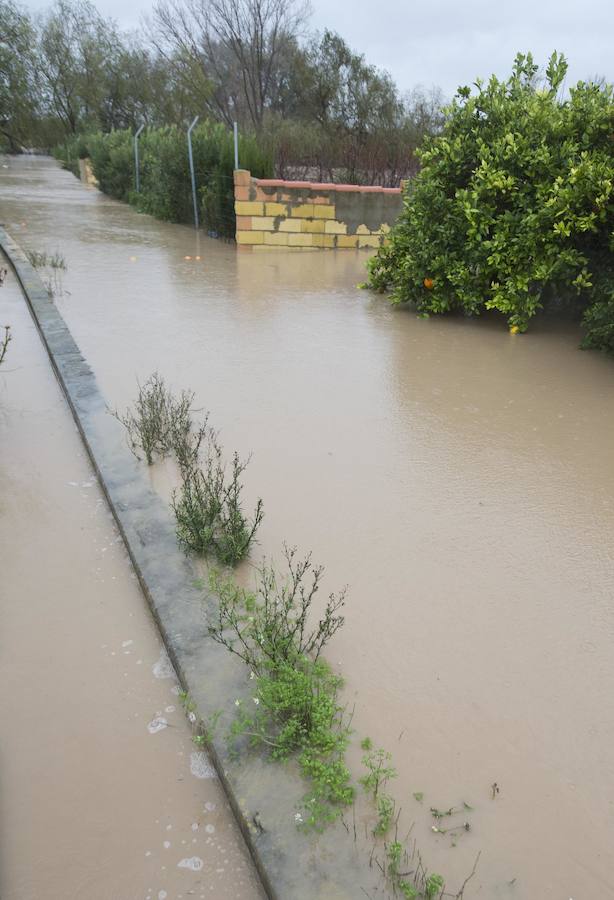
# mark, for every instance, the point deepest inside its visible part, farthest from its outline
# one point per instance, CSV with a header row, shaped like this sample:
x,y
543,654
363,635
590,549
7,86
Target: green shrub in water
x,y
160,423
294,709
209,510
513,206
165,184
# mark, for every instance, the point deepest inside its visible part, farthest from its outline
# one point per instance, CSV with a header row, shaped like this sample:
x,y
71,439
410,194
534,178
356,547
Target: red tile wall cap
x,y
321,187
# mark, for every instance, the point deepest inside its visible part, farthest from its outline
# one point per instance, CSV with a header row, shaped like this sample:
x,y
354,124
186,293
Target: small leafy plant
x,y
422,884
208,506
379,771
434,885
385,815
395,854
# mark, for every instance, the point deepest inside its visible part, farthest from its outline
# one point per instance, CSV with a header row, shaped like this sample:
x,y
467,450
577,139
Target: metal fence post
x,y
136,159
191,158
236,138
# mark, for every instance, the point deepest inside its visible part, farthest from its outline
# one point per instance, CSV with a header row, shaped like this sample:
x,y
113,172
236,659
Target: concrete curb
x,y
291,865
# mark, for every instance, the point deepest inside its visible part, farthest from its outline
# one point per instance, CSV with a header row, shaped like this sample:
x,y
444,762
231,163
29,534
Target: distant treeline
x,y
312,103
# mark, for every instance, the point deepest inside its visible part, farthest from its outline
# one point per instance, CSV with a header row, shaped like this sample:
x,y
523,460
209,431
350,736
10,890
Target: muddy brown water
x,y
104,795
459,479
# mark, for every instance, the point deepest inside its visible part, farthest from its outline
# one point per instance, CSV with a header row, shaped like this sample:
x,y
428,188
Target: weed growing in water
x,y
208,508
41,260
206,730
54,261
379,772
159,422
148,424
433,886
385,815
187,442
205,736
395,853
422,884
378,775
6,340
295,709
269,626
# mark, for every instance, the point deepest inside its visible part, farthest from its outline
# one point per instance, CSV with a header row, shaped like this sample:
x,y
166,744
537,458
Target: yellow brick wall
x,y
294,216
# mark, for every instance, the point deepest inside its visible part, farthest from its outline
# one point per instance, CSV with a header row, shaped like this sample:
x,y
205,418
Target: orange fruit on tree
x,y
428,284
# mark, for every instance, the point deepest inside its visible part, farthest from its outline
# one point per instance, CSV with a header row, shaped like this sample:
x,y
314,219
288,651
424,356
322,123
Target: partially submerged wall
x,y
301,215
86,173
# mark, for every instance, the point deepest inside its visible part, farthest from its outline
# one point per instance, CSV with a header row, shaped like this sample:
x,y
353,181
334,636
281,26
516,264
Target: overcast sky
x,y
451,42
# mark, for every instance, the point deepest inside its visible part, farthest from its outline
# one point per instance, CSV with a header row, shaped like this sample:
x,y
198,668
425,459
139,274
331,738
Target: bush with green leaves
x,y
295,708
208,506
160,423
514,205
112,157
165,184
271,625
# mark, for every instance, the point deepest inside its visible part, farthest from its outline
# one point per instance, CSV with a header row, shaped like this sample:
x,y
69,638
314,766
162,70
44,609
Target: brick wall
x,y
300,215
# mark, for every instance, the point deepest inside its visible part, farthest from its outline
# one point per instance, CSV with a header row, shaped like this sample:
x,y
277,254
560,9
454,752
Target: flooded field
x,y
104,795
457,478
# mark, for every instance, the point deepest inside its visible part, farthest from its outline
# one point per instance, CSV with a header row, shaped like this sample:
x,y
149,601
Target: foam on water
x,y
163,668
157,724
200,765
194,863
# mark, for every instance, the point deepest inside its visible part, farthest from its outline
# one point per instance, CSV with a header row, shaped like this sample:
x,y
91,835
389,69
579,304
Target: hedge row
x,y
165,186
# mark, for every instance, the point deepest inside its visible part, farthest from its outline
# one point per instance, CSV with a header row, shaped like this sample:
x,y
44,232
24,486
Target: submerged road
x,y
104,795
458,478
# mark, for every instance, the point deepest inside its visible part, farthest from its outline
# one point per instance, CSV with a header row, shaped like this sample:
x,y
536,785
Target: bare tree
x,y
236,47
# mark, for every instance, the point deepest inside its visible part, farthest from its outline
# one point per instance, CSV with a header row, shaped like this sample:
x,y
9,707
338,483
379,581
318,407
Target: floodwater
x,y
457,478
104,795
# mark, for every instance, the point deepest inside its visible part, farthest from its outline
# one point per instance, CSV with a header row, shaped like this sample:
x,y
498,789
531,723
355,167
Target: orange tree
x,y
513,205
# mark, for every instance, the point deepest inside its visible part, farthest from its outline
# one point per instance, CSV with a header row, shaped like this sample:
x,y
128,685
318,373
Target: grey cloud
x,y
448,42
451,43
